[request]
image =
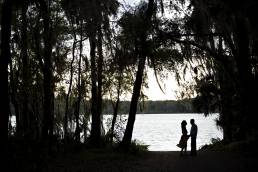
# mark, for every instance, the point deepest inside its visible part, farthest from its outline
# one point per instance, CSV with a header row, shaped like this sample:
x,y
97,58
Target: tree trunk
x,y
25,71
226,114
246,87
69,90
4,60
48,83
125,144
78,103
226,93
116,107
13,95
95,125
99,75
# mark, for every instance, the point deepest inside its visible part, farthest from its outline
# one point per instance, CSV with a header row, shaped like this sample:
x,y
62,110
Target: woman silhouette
x,y
183,141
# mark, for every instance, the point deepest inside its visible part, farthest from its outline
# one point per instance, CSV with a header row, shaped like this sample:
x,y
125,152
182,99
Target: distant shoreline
x,y
153,107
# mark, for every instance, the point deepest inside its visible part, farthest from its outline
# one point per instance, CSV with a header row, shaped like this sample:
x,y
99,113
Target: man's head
x,y
192,121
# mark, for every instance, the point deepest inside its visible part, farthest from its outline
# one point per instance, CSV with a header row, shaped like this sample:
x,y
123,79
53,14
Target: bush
x,y
216,144
248,145
138,147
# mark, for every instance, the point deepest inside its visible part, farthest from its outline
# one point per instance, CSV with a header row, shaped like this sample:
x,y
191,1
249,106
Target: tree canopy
x,y
61,59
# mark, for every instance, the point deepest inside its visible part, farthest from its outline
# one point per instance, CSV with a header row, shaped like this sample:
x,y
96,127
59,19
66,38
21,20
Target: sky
x,y
130,2
169,85
153,92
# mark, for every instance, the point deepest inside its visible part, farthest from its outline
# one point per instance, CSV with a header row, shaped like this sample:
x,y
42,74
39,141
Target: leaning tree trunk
x,y
4,60
125,144
116,106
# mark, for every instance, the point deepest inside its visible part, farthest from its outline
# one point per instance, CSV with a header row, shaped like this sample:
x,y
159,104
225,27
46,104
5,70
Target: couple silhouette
x,y
184,138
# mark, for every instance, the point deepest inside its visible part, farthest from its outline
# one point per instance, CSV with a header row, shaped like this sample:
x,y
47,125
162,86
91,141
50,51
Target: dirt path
x,y
146,162
204,162
163,162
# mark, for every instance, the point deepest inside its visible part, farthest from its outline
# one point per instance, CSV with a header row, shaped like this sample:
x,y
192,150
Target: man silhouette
x,y
193,135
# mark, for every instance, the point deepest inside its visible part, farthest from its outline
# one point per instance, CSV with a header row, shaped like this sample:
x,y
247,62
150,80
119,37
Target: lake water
x,y
163,131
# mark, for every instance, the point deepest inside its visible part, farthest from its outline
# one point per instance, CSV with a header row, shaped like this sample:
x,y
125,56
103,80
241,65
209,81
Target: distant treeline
x,y
166,106
147,107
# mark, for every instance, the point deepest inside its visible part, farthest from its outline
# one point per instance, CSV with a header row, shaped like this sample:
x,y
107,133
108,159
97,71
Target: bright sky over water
x,y
131,2
168,85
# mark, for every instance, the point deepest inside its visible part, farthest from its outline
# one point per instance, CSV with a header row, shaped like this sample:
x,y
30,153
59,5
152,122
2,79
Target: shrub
x,y
138,147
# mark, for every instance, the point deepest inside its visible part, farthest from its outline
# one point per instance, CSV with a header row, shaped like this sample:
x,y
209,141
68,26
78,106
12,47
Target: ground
x,y
109,161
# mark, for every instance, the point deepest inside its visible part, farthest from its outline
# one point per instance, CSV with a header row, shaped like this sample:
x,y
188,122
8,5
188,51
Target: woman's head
x,y
183,123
